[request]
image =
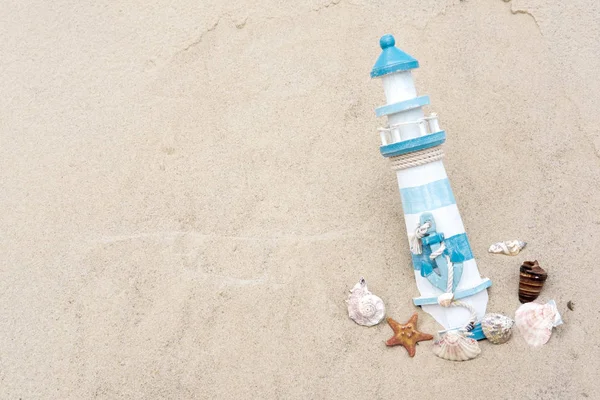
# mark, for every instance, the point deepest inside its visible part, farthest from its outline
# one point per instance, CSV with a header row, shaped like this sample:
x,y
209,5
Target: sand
x,y
189,189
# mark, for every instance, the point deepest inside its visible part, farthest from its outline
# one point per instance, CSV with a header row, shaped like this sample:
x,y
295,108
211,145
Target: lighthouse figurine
x,y
451,288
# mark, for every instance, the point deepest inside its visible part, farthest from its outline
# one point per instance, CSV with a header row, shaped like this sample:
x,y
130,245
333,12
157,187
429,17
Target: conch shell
x,y
535,322
456,346
497,328
364,307
510,247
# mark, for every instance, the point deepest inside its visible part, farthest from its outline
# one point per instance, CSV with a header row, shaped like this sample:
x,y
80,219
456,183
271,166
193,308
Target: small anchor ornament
x,y
436,271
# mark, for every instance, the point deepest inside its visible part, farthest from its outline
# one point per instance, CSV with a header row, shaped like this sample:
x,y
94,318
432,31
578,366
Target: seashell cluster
x,y
497,328
456,346
531,281
364,307
535,322
510,247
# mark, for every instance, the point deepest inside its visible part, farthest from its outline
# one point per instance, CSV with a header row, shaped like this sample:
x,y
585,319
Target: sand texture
x,y
188,190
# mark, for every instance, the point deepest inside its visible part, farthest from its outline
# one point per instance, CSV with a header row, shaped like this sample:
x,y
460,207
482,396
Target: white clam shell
x,y
510,247
456,346
497,328
535,322
364,307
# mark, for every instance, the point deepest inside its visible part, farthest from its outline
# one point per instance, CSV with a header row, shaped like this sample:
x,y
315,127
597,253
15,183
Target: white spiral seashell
x,y
535,322
510,247
456,346
365,308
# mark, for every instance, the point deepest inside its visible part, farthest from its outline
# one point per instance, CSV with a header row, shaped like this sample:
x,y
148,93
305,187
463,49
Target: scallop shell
x,y
535,322
497,328
456,346
510,247
363,306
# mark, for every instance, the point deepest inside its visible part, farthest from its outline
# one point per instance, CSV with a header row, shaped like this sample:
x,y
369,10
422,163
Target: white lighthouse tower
x,y
452,290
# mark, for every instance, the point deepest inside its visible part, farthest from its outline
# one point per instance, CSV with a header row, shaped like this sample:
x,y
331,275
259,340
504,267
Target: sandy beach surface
x,y
188,190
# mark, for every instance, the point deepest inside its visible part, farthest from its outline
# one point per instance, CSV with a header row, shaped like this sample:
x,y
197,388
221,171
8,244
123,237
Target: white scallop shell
x,y
535,322
510,247
456,346
363,306
497,328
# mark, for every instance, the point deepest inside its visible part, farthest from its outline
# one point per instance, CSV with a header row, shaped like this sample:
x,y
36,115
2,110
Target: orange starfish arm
x,y
412,349
413,319
393,324
393,341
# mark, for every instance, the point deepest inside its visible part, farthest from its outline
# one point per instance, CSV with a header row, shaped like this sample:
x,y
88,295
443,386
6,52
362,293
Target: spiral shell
x,y
497,328
456,346
535,322
364,307
510,247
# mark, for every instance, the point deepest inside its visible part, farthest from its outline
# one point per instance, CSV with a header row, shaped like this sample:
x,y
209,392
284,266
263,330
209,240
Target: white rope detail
x,y
417,158
456,303
473,319
438,252
446,299
415,240
450,276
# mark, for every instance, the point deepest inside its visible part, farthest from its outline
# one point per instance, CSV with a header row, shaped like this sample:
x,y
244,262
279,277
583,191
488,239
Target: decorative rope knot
x,y
439,252
415,241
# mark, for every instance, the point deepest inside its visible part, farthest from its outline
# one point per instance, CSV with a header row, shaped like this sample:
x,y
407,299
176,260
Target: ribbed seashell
x,y
510,247
535,322
497,328
363,306
456,346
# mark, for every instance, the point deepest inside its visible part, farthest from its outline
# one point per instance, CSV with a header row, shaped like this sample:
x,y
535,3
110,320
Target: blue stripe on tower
x,y
418,199
402,106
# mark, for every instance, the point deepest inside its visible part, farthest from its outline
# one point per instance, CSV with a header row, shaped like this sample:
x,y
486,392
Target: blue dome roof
x,y
392,59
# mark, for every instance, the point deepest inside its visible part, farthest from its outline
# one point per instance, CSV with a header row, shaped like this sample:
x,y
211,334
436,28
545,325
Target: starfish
x,y
407,335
